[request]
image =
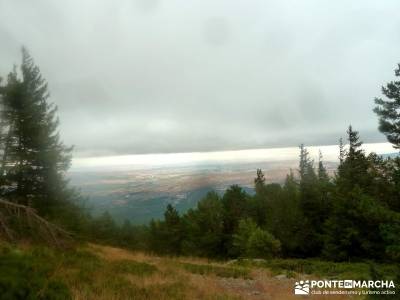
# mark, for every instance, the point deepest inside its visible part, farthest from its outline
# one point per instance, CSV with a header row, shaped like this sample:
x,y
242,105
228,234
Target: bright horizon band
x,y
330,153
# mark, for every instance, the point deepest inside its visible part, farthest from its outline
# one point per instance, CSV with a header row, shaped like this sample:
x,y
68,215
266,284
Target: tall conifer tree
x,y
34,159
388,111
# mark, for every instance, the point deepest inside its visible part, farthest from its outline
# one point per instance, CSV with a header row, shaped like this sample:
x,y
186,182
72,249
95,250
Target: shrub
x,y
262,244
252,241
27,276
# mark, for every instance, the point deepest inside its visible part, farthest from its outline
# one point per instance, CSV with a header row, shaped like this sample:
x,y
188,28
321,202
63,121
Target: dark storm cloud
x,y
172,76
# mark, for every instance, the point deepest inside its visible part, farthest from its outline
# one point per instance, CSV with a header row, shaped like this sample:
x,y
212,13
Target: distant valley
x,y
138,195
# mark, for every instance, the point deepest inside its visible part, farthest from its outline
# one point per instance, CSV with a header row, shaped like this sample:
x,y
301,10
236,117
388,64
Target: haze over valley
x,y
138,188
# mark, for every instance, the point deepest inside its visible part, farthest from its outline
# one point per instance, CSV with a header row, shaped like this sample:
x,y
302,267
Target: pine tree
x,y
104,228
204,227
322,173
235,205
342,151
354,143
173,230
310,203
34,159
286,220
259,181
304,161
352,229
354,168
388,111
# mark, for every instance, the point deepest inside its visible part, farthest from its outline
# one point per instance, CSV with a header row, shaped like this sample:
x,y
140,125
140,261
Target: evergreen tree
x,y
34,159
166,236
324,190
354,144
172,230
322,173
311,204
286,220
388,111
259,181
104,228
260,207
204,227
126,235
252,241
305,163
352,229
235,205
156,240
342,151
291,186
354,168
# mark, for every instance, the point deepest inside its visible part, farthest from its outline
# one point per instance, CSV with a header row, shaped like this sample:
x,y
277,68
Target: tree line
x,y
350,215
353,215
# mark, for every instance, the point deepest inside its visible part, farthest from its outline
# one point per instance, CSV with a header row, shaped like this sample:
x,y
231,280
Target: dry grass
x,y
172,281
113,253
96,272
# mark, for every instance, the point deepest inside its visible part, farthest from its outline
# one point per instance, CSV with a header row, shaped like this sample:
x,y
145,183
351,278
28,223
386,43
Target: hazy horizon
x,y
145,161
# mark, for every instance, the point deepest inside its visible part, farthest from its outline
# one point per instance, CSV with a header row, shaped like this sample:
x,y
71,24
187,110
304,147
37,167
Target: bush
x,y
252,241
28,276
262,244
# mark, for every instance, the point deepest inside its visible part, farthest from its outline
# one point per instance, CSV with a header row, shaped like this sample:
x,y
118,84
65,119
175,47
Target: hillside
x,y
104,273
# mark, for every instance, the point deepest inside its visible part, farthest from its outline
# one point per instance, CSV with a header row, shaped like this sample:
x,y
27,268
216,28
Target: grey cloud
x,y
150,76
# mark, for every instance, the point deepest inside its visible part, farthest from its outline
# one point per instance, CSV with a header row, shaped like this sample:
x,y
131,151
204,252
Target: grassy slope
x,y
102,272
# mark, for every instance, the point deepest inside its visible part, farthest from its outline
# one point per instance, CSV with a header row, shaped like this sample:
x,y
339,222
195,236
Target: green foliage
x,y
241,238
252,241
34,159
29,276
166,236
234,203
204,228
377,274
349,217
353,228
314,203
104,228
172,230
388,111
235,206
391,237
259,181
360,220
262,244
323,269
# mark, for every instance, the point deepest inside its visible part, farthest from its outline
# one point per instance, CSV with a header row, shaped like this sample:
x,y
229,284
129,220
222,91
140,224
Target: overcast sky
x,y
161,76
